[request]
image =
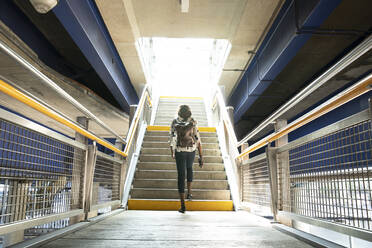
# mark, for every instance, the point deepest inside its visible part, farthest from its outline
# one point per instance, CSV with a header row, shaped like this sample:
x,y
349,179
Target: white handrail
x,y
133,126
49,82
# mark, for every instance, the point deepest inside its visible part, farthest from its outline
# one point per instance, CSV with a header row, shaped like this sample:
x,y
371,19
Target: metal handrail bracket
x,y
57,88
345,96
20,96
356,53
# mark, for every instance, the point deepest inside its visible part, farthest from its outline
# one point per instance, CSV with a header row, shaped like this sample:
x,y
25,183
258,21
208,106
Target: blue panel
x,y
279,47
83,22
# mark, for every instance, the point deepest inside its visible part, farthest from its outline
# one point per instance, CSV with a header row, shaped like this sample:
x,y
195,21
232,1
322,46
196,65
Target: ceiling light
x,y
43,6
184,6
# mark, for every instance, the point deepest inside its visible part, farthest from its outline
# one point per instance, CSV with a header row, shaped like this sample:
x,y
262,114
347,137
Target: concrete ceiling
x,y
242,22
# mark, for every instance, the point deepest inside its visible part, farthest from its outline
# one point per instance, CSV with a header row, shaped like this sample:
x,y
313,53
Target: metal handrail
x,y
134,125
353,55
218,99
361,87
29,101
58,89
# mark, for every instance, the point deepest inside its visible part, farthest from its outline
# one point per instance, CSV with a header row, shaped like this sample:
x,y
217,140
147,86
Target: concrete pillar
x,y
243,161
230,111
132,111
284,198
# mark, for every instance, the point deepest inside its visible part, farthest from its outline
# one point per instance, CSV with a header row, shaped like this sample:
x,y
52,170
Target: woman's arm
x,y
172,139
199,145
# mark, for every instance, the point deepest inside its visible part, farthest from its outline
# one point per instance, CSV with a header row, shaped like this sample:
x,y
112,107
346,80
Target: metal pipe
x,y
356,53
345,96
133,126
58,89
13,92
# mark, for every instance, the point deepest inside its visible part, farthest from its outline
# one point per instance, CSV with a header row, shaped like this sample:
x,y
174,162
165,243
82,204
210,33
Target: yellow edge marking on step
x,y
167,128
134,204
183,97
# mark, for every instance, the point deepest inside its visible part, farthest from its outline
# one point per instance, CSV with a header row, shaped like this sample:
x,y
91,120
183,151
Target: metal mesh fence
x,y
39,175
255,183
331,177
106,180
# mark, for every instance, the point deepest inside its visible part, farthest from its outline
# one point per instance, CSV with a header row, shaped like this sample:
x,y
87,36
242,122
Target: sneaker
x,y
189,197
182,209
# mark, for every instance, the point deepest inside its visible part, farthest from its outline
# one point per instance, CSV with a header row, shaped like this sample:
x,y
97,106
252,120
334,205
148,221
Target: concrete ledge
x,y
46,238
306,237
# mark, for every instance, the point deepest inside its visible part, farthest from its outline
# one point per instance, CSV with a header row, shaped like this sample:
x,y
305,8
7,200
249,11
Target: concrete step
x,y
166,151
195,205
172,166
172,184
168,123
168,112
166,139
168,158
171,118
174,115
191,104
174,110
172,174
155,144
166,133
143,193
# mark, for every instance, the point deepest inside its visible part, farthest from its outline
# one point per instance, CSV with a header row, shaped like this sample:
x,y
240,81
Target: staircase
x,y
155,183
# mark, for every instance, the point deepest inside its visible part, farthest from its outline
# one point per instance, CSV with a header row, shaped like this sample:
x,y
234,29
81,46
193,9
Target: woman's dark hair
x,y
184,112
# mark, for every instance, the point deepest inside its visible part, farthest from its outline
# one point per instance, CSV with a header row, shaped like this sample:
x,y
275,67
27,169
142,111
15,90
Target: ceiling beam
x,y
280,45
84,23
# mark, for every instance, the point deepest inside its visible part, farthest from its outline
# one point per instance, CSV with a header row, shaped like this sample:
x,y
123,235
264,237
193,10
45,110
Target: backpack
x,y
185,133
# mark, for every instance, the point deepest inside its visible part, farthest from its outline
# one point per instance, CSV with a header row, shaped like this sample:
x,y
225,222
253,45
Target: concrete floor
x,y
172,229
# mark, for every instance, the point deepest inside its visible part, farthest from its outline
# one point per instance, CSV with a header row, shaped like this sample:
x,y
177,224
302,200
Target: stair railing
x,y
228,143
136,133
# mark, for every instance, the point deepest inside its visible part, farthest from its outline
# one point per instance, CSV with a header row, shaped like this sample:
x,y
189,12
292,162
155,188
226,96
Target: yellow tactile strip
x,y
136,204
167,128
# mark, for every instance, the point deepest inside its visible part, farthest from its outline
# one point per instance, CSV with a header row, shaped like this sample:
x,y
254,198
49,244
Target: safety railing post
x,y
76,183
123,170
273,179
90,165
283,189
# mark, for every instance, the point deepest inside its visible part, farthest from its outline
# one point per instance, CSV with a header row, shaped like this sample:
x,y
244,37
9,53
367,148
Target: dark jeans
x,y
184,161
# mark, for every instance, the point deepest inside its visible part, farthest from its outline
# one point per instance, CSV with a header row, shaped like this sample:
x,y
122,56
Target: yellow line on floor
x,y
134,204
183,97
167,128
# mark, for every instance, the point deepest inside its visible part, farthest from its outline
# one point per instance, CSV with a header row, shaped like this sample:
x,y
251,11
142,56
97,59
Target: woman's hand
x,y
201,161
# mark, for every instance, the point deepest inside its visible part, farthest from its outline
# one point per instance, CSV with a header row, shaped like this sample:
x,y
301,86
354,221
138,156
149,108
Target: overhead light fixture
x,y
184,6
43,6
